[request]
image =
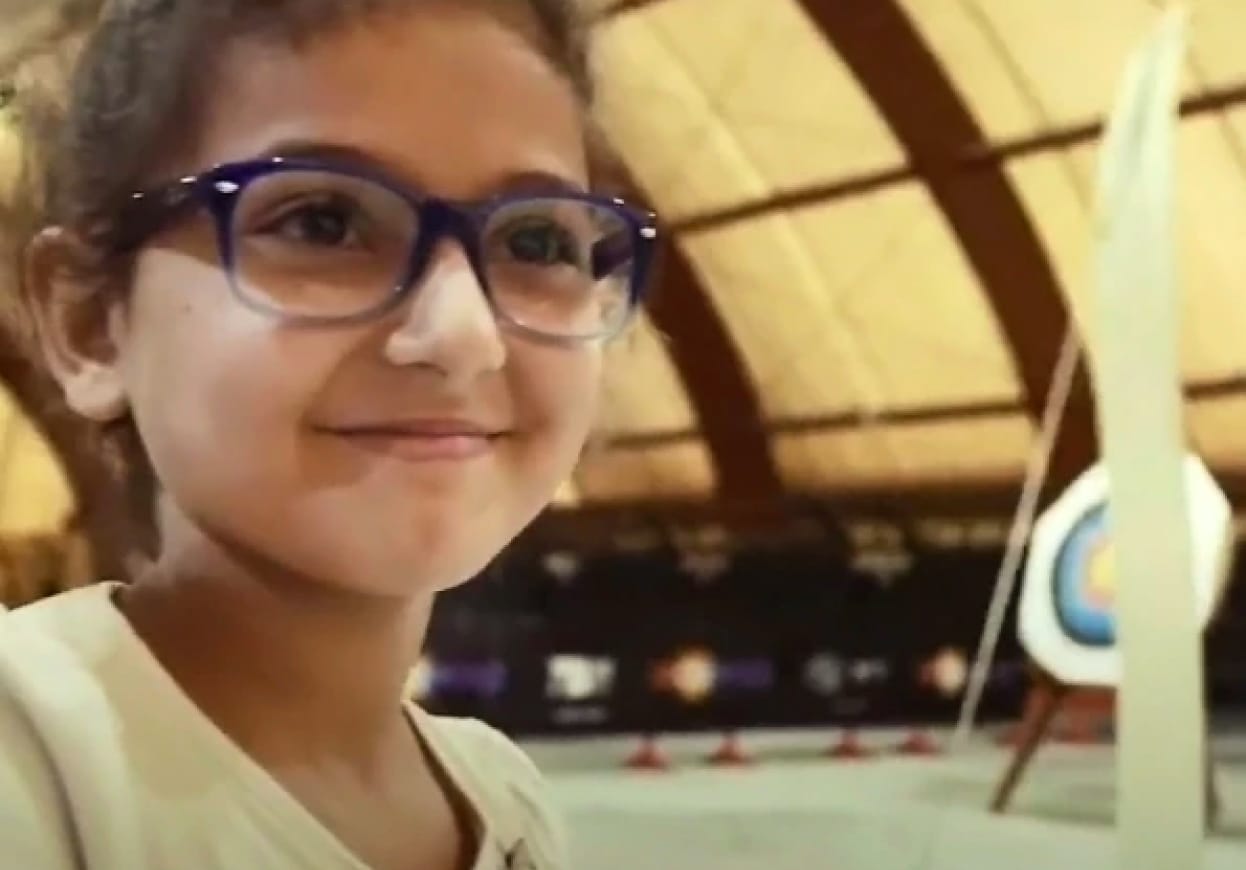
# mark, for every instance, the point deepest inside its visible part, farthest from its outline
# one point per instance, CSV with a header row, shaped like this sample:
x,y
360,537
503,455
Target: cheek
x,y
557,393
222,394
213,385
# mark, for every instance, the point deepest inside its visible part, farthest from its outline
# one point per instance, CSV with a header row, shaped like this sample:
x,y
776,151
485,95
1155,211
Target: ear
x,y
77,324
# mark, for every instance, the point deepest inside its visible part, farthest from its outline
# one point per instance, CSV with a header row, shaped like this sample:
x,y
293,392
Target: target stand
x,y
1067,618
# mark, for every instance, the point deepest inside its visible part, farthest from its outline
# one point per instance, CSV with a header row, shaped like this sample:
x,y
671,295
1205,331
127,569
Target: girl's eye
x,y
539,242
329,223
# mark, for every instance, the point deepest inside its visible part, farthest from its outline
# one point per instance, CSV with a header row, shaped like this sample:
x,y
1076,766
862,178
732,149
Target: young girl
x,y
336,263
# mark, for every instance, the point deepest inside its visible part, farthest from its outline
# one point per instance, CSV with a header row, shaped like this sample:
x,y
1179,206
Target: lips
x,y
421,440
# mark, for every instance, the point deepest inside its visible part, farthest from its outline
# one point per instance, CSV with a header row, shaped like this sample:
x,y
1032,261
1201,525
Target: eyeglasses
x,y
318,244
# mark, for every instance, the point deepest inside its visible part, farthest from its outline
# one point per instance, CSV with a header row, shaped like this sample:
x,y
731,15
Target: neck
x,y
290,668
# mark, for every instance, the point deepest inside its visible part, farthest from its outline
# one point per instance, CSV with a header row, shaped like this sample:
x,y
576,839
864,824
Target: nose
x,y
447,325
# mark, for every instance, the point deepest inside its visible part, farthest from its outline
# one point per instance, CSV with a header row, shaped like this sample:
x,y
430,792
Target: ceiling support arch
x,y
715,377
723,397
935,127
821,194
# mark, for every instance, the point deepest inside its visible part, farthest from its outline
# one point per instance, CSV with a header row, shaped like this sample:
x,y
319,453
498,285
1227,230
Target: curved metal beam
x,y
921,105
714,375
1212,100
723,397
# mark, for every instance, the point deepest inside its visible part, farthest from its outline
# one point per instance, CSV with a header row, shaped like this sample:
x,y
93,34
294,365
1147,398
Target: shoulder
x,y
481,751
48,704
48,650
34,830
521,803
51,652
484,742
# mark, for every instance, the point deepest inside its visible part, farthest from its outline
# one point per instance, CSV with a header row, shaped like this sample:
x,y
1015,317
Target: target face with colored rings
x,y
1084,585
1067,617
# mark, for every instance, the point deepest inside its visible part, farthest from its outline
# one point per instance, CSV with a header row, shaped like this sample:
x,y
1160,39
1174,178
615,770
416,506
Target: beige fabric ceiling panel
x,y
900,284
1027,66
1057,189
677,471
1216,28
655,114
567,496
34,495
818,461
1218,430
979,450
771,291
864,305
717,102
594,8
806,360
10,156
1212,227
643,393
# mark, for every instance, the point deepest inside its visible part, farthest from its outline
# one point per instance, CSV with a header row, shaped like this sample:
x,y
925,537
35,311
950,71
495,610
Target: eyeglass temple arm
x,y
144,214
610,254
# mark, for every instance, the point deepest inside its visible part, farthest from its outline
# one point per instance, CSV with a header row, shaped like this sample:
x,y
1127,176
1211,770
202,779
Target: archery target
x,y
1084,584
1068,600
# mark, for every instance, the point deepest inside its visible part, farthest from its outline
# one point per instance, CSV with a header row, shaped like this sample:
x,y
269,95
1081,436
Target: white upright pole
x,y
1019,533
1135,363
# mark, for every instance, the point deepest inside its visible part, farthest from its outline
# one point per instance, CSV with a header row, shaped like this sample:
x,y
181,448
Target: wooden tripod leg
x,y
1211,793
1033,731
1212,799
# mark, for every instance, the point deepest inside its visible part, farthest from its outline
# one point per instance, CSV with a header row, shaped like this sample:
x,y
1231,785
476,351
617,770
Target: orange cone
x,y
849,748
648,756
919,743
730,753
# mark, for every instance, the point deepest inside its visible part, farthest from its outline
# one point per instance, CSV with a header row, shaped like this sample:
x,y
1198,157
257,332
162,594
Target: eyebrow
x,y
536,181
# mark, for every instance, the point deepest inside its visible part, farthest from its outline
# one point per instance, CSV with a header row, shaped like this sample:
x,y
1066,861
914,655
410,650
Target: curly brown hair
x,y
105,93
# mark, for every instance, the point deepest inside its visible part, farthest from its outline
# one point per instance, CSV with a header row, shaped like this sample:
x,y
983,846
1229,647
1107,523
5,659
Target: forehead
x,y
450,95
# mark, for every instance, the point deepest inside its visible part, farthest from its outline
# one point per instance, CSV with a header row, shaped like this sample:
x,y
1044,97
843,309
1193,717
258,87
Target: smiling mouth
x,y
425,441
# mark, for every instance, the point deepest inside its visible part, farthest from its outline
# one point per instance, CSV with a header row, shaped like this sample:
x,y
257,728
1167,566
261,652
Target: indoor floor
x,y
793,810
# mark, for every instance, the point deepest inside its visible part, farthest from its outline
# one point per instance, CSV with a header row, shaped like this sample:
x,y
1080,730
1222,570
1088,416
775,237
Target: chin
x,y
423,562
391,541
395,578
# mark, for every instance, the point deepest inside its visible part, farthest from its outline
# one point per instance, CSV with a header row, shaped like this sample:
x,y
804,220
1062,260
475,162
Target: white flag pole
x,y
1135,364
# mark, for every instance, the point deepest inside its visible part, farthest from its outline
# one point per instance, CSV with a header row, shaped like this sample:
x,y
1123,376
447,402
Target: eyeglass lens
x,y
314,244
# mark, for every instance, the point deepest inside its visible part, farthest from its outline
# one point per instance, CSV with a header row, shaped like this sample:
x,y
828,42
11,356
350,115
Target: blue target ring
x,y
1084,582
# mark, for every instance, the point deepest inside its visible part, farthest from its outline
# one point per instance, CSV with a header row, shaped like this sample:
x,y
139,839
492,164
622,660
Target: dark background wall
x,y
799,638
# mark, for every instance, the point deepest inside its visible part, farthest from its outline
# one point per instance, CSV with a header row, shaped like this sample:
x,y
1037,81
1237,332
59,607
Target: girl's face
x,y
243,415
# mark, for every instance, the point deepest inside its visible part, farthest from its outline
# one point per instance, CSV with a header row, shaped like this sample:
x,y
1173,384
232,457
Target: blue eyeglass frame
x,y
220,189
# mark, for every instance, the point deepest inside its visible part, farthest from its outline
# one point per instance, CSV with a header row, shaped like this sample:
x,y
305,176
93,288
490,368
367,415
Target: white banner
x,y
1135,363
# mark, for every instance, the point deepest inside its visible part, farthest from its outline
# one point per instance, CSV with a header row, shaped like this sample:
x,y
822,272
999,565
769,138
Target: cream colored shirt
x,y
106,765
